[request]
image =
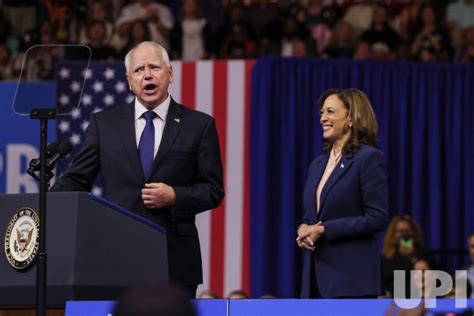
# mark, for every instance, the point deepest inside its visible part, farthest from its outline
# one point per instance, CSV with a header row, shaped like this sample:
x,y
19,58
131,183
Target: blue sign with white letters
x,y
20,137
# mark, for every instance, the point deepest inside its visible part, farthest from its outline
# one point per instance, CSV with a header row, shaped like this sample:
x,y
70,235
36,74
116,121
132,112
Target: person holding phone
x,y
403,243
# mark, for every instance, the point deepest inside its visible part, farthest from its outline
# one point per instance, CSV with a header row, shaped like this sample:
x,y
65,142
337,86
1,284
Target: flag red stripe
x,y
218,215
188,84
246,191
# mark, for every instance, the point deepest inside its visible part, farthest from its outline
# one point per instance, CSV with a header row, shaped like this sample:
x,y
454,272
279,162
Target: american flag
x,y
219,88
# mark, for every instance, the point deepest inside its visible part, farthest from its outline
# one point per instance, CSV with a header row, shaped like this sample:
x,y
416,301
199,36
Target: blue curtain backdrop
x,y
426,131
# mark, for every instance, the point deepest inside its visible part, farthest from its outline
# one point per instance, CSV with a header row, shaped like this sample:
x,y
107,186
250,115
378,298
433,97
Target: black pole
x,y
43,115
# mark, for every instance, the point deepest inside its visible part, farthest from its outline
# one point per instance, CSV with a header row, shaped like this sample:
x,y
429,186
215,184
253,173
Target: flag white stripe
x,y
175,86
234,176
204,89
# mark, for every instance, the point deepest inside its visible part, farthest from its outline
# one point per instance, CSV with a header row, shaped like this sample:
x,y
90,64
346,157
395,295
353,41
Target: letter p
x,y
432,291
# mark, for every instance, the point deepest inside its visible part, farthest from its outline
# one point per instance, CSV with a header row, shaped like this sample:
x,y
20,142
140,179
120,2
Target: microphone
x,y
62,151
34,164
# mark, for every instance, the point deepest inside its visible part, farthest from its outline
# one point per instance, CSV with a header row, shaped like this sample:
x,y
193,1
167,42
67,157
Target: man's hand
x,y
158,195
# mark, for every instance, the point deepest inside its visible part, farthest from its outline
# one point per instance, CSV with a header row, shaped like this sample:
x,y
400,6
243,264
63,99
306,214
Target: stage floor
x,y
290,307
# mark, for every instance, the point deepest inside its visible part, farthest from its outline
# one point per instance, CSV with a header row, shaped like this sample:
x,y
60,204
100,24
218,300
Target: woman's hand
x,y
309,234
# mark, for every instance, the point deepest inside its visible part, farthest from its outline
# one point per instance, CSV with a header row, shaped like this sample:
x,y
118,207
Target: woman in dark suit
x,y
346,202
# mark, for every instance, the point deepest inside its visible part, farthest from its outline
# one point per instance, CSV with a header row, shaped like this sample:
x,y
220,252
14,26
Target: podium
x,y
95,249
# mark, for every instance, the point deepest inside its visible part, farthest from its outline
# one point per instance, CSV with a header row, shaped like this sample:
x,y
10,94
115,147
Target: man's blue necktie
x,y
147,143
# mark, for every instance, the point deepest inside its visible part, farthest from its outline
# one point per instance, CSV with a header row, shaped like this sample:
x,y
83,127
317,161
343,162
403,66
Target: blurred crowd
x,y
404,249
204,29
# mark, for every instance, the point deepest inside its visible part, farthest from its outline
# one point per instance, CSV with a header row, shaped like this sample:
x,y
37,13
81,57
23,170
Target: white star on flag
x,y
64,73
76,113
120,86
109,73
108,99
64,99
75,139
75,86
98,87
87,73
86,99
63,126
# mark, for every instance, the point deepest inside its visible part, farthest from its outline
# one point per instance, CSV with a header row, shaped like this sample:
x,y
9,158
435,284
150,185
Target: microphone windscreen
x,y
64,148
52,148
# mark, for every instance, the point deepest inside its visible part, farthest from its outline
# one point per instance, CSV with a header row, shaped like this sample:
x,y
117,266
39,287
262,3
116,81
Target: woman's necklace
x,y
336,157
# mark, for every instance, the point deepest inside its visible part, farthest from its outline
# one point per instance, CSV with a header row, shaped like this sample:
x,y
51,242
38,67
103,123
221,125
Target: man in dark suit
x,y
157,158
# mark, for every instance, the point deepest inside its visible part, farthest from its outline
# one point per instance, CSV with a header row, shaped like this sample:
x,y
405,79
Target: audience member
x,y
281,42
460,13
466,55
359,15
260,14
208,294
7,36
237,294
190,37
403,242
430,41
4,59
21,14
460,16
97,41
59,17
215,14
422,265
97,12
470,269
342,44
319,21
381,37
407,21
137,33
159,17
156,301
363,51
239,37
303,47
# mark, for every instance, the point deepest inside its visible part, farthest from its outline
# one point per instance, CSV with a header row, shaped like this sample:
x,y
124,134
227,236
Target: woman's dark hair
x,y
363,120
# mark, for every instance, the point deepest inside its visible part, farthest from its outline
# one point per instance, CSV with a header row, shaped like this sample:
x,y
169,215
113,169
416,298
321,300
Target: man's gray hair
x,y
160,48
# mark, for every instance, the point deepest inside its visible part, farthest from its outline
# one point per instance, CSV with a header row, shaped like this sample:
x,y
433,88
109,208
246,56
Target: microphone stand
x,y
43,115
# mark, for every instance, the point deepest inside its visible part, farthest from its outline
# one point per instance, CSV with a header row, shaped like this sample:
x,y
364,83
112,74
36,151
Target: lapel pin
x,y
342,165
176,120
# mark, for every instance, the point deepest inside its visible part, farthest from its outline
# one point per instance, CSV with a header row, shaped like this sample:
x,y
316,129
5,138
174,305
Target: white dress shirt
x,y
158,122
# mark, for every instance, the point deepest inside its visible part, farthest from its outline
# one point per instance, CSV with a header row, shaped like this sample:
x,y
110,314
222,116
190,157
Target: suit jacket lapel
x,y
316,178
172,128
127,133
336,174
